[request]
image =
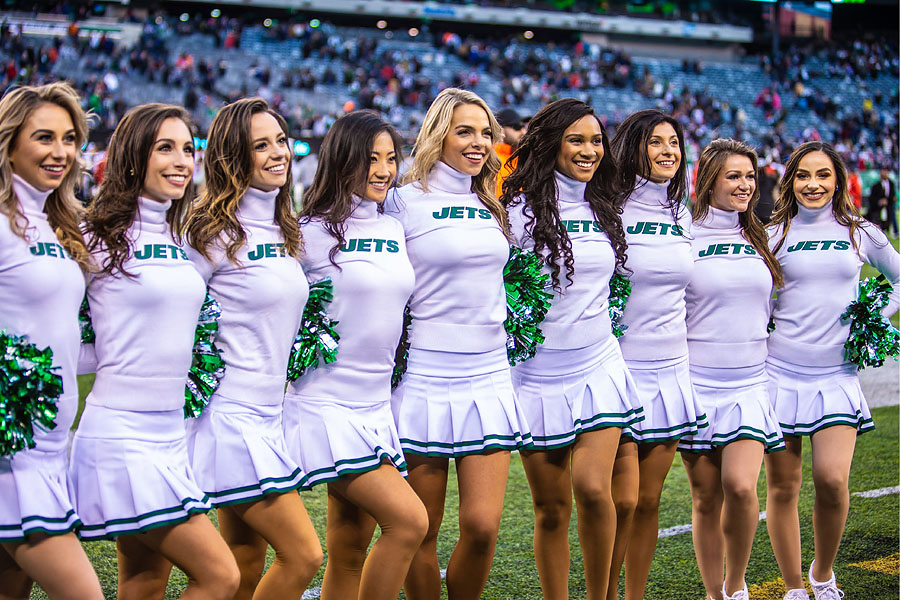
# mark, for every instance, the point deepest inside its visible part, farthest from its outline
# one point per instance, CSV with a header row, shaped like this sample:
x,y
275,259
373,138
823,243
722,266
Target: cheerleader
x,y
42,256
821,242
456,399
734,272
576,392
647,148
338,419
129,466
246,244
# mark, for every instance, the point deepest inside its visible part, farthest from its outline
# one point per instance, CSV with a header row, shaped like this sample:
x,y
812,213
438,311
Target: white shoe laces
x,y
796,594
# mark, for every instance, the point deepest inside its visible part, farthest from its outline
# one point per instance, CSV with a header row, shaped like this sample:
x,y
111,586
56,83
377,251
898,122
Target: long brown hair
x,y
228,167
343,171
112,212
842,206
430,142
62,207
710,165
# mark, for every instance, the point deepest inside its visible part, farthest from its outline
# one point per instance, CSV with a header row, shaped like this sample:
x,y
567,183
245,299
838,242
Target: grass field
x,y
866,565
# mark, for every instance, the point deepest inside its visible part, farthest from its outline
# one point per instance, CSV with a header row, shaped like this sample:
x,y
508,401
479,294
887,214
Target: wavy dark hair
x,y
842,207
112,211
533,182
228,170
710,165
343,170
629,147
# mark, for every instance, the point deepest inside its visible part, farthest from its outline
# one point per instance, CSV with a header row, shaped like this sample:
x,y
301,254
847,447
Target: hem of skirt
x,y
509,443
667,434
20,533
560,440
771,443
338,471
861,424
257,491
95,533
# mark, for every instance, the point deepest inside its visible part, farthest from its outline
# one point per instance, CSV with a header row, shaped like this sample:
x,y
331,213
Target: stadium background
x,y
770,73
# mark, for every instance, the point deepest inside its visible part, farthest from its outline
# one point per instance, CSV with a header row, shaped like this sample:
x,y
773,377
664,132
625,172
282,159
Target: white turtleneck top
x,y
728,295
145,326
579,314
659,254
458,252
262,299
372,284
41,287
821,278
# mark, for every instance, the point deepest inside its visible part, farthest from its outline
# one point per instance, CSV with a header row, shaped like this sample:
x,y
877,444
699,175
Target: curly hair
x,y
62,207
430,143
112,212
228,170
343,171
533,182
710,165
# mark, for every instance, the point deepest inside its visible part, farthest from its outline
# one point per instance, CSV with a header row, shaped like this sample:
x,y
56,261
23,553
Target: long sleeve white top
x,y
372,284
659,254
821,278
728,295
144,326
41,287
262,299
579,314
458,251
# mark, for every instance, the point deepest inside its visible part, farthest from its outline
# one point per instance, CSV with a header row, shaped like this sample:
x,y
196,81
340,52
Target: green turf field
x,y
871,537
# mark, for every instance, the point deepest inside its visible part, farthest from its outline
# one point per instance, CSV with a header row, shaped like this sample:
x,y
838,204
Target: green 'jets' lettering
x,y
651,228
820,245
719,249
462,212
160,251
270,250
49,249
581,226
370,245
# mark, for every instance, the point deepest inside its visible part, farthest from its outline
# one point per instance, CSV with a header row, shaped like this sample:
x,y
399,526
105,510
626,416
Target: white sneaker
x,y
743,594
827,590
796,594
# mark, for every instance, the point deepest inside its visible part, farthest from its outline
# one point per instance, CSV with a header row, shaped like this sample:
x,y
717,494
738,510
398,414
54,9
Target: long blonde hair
x,y
430,142
62,207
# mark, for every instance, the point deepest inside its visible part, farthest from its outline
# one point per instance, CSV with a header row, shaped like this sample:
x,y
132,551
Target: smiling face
x,y
382,168
734,184
815,180
663,152
270,153
581,149
469,140
44,149
171,163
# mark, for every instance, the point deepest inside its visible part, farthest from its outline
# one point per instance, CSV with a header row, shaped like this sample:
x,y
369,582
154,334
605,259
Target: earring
x,y
131,172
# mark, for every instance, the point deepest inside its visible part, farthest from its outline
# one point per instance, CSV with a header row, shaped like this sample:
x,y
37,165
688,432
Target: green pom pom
x,y
317,336
402,353
872,337
619,291
29,390
207,364
527,303
84,321
771,326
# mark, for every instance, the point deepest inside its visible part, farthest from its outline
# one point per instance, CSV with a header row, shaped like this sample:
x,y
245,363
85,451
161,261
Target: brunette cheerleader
x,y
821,242
338,419
456,399
129,469
647,148
734,273
576,392
42,256
246,245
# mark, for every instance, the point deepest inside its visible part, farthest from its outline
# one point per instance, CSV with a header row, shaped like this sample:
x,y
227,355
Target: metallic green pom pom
x,y
207,364
317,336
29,390
619,291
84,321
527,303
872,337
402,354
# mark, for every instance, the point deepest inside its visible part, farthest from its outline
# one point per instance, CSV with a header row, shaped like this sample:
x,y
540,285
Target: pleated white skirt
x,y
671,408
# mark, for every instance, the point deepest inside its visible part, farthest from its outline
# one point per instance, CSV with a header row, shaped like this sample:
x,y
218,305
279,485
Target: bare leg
x,y
347,535
57,563
14,583
142,571
428,478
482,485
741,461
783,479
704,473
625,479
